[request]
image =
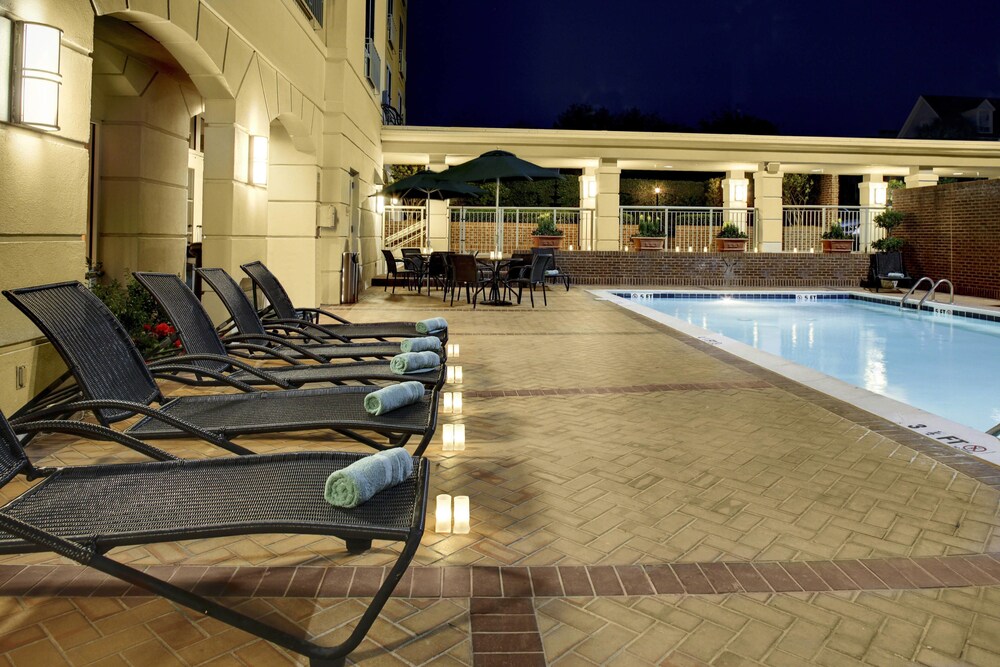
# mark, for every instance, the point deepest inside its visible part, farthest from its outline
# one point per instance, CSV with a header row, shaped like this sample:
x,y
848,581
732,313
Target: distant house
x,y
953,117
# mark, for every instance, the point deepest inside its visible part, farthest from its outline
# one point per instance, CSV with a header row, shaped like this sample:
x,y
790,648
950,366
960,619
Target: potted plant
x,y
546,234
649,235
836,239
888,220
731,239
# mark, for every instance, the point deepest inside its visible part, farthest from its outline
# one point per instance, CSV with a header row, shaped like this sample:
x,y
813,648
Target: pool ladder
x,y
930,293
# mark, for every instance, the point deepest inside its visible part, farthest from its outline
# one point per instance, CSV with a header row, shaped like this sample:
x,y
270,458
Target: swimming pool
x,y
944,362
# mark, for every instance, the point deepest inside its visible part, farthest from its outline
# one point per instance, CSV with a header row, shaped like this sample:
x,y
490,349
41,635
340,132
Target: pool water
x,y
942,363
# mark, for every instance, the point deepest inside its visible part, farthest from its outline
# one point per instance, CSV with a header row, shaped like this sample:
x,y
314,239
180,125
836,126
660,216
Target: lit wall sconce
x,y
258,160
454,375
452,402
34,70
453,438
380,205
462,518
453,350
738,190
442,514
590,188
880,196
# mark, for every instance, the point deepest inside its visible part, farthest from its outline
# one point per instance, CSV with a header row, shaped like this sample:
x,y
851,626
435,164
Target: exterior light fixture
x,y
453,350
454,375
590,188
740,191
35,77
462,519
380,205
453,438
657,190
258,160
442,514
571,247
880,196
452,402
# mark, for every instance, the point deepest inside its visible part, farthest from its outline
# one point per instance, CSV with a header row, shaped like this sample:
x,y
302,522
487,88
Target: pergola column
x,y
920,178
608,200
767,200
438,236
588,201
872,193
735,187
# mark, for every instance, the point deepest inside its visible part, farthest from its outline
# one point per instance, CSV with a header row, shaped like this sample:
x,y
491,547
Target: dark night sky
x,y
840,68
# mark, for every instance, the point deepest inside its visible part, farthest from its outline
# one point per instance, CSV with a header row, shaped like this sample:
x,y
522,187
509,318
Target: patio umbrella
x,y
499,166
431,185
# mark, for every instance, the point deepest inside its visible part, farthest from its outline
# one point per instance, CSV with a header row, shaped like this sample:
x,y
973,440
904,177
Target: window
x,y
984,121
387,91
369,19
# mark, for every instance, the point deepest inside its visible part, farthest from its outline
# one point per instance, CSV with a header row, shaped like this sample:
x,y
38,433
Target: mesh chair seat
x,y
271,411
362,370
140,503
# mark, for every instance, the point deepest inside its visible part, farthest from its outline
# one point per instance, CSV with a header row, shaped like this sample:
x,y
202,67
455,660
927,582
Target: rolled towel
x,y
392,397
423,344
895,274
552,272
355,484
414,362
432,325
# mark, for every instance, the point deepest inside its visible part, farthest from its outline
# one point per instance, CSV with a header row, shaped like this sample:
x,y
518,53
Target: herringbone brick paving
x,y
611,444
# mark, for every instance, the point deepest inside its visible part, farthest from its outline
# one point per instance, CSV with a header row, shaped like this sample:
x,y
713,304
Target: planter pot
x,y
648,243
838,245
730,245
889,284
546,241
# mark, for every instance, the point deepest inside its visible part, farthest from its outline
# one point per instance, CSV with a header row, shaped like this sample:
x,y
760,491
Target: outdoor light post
x,y
657,191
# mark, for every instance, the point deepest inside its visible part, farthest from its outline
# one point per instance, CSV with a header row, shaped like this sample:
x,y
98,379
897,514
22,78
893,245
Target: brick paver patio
x,y
638,497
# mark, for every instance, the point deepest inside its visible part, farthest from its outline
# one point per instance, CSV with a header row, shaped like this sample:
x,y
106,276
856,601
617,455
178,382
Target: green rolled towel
x,y
355,484
394,396
432,325
414,362
422,344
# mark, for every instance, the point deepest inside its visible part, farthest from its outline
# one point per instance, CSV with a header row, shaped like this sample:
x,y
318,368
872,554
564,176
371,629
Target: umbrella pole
x,y
499,230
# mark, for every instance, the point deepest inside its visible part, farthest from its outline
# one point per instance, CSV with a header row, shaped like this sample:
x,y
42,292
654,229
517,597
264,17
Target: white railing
x,y
802,227
474,228
686,228
373,65
404,227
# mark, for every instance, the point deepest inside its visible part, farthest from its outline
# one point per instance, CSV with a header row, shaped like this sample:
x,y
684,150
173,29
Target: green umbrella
x,y
499,166
433,186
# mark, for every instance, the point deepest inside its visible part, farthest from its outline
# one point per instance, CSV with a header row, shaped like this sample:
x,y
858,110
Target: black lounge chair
x,y
206,362
82,512
252,339
282,312
887,266
116,384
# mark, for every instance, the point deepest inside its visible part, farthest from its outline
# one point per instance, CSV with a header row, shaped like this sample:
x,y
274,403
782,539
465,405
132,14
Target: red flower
x,y
163,329
177,343
147,327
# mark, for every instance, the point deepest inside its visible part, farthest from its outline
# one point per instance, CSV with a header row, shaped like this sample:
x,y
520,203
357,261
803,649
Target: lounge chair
x,y
887,266
82,512
283,313
116,384
252,339
207,363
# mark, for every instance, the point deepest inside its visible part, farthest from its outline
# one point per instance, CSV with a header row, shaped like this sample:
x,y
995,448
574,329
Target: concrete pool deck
x,y
638,497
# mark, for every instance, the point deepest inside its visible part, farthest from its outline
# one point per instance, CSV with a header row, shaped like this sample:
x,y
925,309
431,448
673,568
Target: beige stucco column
x,y
767,201
920,178
438,238
588,204
607,202
872,193
735,188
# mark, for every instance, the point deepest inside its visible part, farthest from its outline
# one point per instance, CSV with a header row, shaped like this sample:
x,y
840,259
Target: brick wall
x,y
715,269
953,231
829,190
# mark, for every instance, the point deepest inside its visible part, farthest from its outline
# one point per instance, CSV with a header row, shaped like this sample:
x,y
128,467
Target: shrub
x,y
731,231
836,232
888,244
649,227
138,312
546,226
888,220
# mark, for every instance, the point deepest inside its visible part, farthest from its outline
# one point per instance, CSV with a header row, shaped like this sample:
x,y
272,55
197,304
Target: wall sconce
x,y
738,190
880,196
453,438
462,518
258,160
442,514
34,67
453,350
454,375
380,205
452,402
589,188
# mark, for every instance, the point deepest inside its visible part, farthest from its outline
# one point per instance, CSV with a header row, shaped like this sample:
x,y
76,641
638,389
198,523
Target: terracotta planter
x,y
546,241
730,245
648,243
838,245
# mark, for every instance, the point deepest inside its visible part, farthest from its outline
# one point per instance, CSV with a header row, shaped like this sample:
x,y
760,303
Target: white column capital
x,y
920,178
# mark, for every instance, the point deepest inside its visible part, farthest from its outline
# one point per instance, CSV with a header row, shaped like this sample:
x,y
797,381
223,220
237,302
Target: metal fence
x,y
404,227
686,228
803,226
475,228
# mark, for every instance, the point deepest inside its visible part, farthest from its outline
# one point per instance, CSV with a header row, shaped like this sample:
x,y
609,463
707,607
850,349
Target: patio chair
x,y
284,313
116,384
534,276
246,335
887,266
466,273
82,512
207,363
437,269
553,273
393,272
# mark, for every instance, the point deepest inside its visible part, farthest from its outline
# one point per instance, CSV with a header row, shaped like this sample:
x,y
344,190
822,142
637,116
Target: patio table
x,y
495,280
